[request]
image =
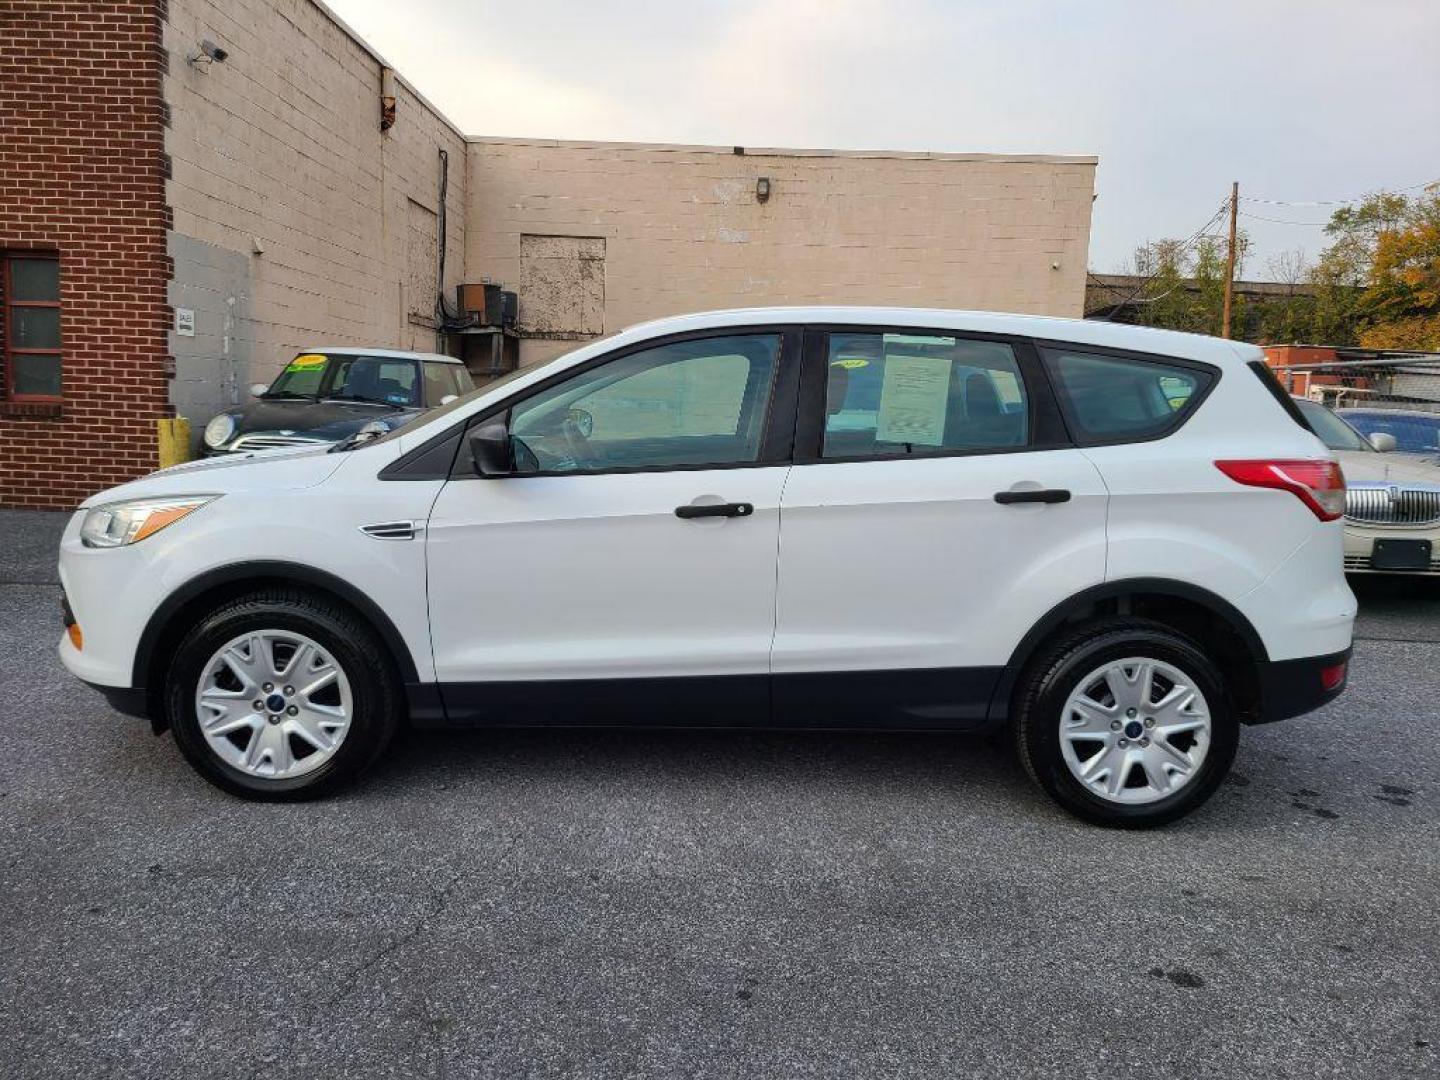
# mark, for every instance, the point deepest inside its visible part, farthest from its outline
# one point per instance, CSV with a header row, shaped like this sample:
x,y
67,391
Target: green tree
x,y
1185,284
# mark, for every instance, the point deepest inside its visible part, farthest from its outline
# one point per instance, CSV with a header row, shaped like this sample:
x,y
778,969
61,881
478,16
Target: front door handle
x,y
704,510
1038,495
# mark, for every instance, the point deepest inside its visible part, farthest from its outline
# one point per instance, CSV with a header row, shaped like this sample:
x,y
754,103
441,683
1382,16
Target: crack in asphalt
x,y
440,900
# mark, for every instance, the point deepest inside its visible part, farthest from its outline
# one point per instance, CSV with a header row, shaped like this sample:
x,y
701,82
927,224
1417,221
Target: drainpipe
x,y
387,98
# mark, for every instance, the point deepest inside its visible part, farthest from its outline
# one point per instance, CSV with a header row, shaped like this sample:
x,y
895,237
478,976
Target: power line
x,y
1180,250
1280,221
1336,202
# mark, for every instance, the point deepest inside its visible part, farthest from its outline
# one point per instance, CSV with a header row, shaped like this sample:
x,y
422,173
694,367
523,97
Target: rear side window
x,y
893,395
1122,399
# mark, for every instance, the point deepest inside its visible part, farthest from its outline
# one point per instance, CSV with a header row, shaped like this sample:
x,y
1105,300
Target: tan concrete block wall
x,y
683,229
281,143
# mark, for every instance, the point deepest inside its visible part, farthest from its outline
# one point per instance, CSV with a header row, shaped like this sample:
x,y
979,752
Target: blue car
x,y
1415,432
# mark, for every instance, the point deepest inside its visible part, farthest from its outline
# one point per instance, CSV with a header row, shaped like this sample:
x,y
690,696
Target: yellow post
x,y
174,440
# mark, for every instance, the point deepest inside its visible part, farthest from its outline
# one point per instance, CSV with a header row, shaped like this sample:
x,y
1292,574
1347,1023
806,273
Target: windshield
x,y
381,380
1334,432
460,402
301,377
378,380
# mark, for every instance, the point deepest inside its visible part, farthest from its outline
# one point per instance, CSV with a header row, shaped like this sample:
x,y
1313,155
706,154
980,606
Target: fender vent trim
x,y
393,530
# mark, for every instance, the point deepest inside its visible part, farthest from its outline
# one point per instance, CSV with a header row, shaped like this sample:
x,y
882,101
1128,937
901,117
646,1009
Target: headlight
x,y
121,523
219,430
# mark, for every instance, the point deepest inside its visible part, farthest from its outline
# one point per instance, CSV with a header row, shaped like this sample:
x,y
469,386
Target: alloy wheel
x,y
1135,731
273,704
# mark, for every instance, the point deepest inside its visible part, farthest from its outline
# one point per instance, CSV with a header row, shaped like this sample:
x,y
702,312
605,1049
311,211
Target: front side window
x,y
910,394
1334,432
1116,398
30,347
697,402
384,380
439,382
444,380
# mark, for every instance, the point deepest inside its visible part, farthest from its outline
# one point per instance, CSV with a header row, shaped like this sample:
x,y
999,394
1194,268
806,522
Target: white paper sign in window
x,y
913,397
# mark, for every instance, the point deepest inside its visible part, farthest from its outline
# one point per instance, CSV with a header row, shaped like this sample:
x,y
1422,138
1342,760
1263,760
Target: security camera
x,y
209,53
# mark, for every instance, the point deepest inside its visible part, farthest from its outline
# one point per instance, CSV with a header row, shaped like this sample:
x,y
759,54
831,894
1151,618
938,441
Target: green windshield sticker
x,y
306,362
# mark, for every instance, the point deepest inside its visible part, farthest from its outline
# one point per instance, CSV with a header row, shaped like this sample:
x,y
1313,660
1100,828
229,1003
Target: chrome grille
x,y
270,441
1383,504
1362,562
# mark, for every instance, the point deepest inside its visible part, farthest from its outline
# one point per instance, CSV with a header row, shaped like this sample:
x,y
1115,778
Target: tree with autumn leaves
x,y
1376,284
1400,306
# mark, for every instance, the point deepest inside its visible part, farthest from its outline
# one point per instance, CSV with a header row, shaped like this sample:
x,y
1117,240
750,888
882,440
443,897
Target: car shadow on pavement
x,y
958,778
816,760
1400,607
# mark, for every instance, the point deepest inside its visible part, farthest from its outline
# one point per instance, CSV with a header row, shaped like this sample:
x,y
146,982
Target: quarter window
x,y
30,347
697,402
909,394
1115,398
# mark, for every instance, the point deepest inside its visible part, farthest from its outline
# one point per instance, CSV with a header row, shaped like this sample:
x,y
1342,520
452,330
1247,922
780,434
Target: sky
x,y
1301,101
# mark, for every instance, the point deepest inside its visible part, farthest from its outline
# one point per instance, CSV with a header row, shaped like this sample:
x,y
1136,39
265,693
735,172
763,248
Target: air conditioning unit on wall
x,y
494,306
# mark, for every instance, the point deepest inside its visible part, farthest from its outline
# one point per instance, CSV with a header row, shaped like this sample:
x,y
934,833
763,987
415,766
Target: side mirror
x,y
256,389
491,449
1382,441
448,398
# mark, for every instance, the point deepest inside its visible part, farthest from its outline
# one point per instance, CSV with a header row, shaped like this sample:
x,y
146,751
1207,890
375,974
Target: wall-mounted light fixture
x,y
209,53
762,189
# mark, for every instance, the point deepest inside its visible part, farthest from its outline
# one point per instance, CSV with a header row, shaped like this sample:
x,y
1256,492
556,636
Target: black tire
x,y
1046,684
376,689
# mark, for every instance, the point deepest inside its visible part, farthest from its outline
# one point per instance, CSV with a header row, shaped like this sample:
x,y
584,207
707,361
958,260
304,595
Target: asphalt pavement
x,y
595,904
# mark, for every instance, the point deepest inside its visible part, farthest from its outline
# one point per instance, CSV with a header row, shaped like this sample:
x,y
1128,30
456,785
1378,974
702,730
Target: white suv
x,y
1117,541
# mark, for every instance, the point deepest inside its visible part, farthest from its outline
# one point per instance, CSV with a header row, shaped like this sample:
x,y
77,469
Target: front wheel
x,y
281,695
1126,723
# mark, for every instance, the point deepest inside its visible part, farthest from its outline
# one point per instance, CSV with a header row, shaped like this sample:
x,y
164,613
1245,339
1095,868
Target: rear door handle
x,y
1040,495
704,510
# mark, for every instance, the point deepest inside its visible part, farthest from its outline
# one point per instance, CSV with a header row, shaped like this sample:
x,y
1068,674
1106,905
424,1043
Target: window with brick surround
x,y
30,321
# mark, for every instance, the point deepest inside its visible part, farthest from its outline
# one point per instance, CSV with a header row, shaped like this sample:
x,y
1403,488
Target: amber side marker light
x,y
76,638
158,520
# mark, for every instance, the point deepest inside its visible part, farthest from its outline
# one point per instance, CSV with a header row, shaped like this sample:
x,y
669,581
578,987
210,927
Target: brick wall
x,y
82,174
645,231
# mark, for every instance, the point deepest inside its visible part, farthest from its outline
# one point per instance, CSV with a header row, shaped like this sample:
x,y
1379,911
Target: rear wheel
x,y
1126,723
281,695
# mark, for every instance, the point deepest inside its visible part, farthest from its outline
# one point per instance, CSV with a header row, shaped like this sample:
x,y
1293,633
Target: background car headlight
x,y
121,523
219,430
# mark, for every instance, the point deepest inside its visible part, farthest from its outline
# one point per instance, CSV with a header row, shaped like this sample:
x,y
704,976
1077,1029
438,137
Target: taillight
x,y
1316,482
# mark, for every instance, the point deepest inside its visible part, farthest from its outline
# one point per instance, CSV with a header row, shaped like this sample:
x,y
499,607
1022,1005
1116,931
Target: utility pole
x,y
1230,260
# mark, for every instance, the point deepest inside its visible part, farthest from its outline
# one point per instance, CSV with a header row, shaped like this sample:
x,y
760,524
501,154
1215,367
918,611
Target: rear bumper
x,y
1292,687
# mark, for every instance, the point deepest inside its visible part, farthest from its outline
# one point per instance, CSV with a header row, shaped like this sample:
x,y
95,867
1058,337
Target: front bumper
x,y
1293,687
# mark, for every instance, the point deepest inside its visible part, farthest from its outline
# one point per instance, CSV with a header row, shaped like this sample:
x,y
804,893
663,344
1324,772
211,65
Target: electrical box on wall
x,y
493,305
